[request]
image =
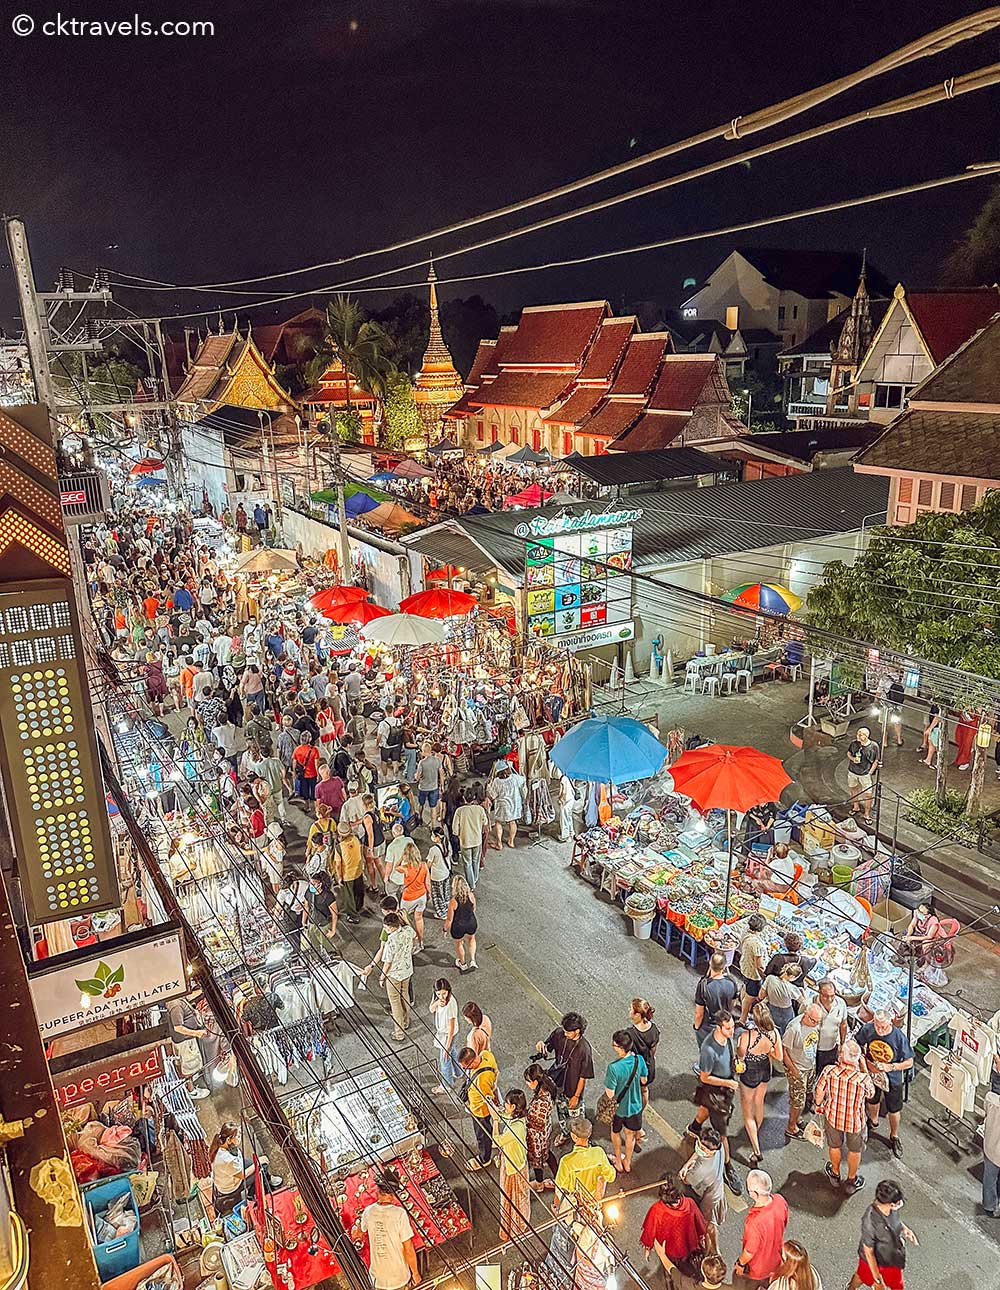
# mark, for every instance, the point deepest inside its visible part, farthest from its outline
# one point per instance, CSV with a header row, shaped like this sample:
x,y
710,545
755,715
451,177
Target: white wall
x,y
393,575
205,466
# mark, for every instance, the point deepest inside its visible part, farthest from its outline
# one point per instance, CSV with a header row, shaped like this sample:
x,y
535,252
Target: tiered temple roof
x,y
582,369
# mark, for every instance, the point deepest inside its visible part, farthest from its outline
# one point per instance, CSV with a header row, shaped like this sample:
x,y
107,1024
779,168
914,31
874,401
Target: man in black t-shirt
x,y
863,758
716,992
574,1065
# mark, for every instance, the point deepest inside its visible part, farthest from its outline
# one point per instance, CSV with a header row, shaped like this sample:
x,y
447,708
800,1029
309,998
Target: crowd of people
x,y
460,484
269,716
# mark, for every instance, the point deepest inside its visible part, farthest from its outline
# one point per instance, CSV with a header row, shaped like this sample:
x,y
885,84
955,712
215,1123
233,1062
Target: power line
x,y
737,127
977,172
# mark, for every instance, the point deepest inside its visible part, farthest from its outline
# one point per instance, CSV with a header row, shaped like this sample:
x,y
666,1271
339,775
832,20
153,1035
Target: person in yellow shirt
x,y
349,867
482,1071
586,1168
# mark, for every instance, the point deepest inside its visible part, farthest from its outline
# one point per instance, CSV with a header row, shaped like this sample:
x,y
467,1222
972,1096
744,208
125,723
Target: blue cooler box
x,y
122,1253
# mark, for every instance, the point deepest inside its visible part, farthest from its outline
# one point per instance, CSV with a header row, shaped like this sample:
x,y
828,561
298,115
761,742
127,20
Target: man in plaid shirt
x,y
840,1096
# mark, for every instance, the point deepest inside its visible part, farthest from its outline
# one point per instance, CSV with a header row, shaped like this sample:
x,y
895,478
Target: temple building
x,y
229,369
338,391
575,378
438,385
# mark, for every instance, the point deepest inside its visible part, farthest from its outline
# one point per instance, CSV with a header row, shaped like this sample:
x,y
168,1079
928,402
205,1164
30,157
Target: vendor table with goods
x,y
666,862
295,1253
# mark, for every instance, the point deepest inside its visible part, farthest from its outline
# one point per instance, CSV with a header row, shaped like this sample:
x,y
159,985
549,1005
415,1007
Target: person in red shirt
x,y
305,764
330,789
152,606
763,1230
674,1227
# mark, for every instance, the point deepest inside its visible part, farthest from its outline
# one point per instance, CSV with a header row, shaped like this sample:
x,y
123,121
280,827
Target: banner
x,y
100,1081
80,988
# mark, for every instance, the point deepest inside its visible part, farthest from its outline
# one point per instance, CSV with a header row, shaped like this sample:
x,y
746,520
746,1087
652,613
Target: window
x,y
567,442
906,490
925,492
781,316
480,432
968,496
946,497
536,439
515,432
600,446
890,396
902,514
795,311
494,433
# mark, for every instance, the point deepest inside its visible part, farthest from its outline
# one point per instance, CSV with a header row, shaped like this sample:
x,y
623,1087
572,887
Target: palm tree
x,y
361,345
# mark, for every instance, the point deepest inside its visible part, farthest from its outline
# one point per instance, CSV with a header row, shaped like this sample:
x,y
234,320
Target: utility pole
x,y
35,331
338,473
173,424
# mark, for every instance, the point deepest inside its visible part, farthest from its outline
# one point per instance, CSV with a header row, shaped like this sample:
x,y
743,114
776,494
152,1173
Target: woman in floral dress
x,y
539,1121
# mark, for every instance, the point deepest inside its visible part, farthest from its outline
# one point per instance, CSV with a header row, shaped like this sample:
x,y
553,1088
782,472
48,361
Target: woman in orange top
x,y
416,889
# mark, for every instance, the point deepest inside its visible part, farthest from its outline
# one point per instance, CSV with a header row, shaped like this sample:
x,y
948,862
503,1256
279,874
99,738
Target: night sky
x,y
302,132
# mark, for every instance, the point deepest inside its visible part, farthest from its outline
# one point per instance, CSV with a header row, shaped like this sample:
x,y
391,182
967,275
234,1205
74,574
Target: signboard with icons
x,y
81,987
578,578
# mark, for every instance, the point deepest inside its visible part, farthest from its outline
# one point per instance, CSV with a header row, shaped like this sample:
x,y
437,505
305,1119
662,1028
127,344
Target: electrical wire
x,y
977,172
737,127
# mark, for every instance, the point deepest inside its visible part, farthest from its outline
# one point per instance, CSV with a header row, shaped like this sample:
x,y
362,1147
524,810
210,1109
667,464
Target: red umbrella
x,y
338,596
360,612
446,573
733,779
439,602
147,466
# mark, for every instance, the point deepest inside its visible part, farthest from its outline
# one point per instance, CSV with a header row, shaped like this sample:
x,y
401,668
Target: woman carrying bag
x,y
621,1102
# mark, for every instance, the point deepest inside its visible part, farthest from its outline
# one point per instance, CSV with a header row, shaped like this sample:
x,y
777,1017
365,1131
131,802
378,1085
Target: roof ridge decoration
x,y
578,304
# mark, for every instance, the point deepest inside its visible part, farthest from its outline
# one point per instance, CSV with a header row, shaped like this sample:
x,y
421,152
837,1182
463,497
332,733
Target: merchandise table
x,y
430,1202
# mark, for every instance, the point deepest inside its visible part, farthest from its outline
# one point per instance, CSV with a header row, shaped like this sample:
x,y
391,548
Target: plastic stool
x,y
728,681
794,671
710,685
663,931
691,679
744,674
688,948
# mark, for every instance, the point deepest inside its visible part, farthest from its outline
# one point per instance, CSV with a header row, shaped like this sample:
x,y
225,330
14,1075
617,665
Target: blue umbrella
x,y
359,503
609,750
383,477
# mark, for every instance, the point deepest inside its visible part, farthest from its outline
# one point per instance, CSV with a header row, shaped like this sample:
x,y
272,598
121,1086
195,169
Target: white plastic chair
x,y
744,674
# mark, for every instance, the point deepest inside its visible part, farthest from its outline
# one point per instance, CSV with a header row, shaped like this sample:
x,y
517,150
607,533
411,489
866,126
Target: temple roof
x,y
681,382
971,375
554,335
610,420
579,405
607,349
948,318
231,369
484,353
639,366
294,340
521,390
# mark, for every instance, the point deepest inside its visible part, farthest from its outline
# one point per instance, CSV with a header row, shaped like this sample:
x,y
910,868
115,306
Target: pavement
x,y
549,942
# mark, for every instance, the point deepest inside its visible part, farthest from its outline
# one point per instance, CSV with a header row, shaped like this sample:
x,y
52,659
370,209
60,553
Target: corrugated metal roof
x,y
686,524
645,467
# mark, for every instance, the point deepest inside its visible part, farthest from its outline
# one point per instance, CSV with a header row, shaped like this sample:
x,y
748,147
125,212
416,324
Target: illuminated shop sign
x,y
579,586
549,526
49,757
82,987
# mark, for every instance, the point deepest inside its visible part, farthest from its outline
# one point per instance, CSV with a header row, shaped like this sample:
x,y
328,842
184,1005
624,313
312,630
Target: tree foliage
x,y
402,418
974,260
929,588
406,321
362,345
109,380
